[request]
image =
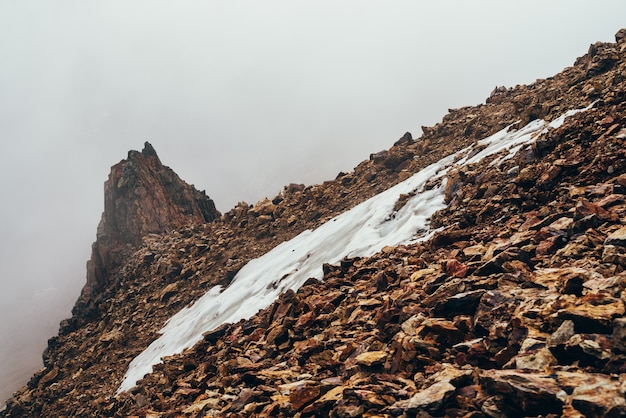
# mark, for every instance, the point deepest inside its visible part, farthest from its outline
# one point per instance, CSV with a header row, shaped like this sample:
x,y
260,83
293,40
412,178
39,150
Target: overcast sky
x,y
238,97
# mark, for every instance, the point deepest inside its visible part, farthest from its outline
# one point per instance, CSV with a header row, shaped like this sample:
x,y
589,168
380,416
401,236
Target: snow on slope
x,y
361,231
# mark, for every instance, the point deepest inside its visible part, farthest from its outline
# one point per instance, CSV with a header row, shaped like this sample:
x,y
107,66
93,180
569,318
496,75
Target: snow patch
x,y
361,231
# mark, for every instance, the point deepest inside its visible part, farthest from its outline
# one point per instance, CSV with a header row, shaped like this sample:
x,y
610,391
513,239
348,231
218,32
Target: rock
x,y
492,407
407,138
619,334
593,312
49,377
585,208
562,334
301,396
141,196
455,268
588,349
550,245
430,399
534,355
594,395
371,358
617,238
614,255
264,207
494,313
464,303
567,280
530,394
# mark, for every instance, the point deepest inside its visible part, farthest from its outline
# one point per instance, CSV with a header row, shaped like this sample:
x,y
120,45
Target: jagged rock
x,y
562,334
594,395
534,355
141,196
617,238
528,394
430,399
406,139
614,255
619,334
372,358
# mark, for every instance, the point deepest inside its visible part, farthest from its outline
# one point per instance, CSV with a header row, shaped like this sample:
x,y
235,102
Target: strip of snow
x,y
361,231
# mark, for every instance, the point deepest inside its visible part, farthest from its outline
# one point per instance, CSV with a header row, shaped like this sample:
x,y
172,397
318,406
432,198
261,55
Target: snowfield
x,y
361,231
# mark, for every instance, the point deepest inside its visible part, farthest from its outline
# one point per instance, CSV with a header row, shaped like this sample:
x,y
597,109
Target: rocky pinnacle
x,y
141,196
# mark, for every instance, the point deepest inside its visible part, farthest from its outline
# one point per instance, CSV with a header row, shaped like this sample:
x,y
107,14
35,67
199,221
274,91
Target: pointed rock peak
x,y
141,196
148,150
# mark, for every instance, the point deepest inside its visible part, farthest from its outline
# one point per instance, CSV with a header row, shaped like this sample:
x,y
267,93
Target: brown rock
x,y
530,394
49,377
562,334
430,399
614,254
264,207
463,303
585,208
594,395
593,312
589,349
619,334
371,358
455,268
301,396
141,196
407,138
617,238
534,355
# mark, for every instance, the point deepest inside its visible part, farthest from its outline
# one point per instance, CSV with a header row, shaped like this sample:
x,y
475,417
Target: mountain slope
x,y
514,308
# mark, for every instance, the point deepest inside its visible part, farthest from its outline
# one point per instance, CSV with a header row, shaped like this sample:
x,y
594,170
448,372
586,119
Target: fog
x,y
239,98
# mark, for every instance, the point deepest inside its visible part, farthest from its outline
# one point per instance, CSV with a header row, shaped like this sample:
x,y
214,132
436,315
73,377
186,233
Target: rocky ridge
x,y
515,309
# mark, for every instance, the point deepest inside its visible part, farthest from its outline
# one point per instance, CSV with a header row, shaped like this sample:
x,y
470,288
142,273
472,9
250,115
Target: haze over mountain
x,y
240,99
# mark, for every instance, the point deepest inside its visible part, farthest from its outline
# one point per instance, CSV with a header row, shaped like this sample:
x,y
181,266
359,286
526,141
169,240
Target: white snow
x,y
361,231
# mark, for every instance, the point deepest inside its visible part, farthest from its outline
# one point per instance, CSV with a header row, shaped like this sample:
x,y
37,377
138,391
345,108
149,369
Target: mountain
x,y
477,270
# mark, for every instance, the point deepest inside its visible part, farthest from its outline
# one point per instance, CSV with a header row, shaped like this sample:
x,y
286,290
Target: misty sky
x,y
239,98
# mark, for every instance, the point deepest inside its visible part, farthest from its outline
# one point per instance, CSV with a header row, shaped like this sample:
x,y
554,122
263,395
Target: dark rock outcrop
x,y
141,197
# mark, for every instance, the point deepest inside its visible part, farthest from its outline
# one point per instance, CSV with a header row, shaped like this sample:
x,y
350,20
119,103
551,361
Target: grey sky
x,y
239,98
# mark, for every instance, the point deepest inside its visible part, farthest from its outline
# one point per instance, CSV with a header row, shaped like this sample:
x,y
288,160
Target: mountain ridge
x,y
186,261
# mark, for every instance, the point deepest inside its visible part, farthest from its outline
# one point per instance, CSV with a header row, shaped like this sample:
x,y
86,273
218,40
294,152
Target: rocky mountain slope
x,y
515,307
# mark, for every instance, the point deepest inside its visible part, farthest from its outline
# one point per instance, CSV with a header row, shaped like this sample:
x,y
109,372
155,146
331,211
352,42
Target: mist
x,y
239,98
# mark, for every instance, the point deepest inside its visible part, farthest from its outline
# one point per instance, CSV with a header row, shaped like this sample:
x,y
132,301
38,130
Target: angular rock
x,y
562,334
534,355
141,196
371,358
301,396
530,394
617,238
430,399
619,334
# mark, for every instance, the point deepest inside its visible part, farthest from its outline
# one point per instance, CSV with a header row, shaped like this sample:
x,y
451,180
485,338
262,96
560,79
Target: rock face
x,y
141,197
516,307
